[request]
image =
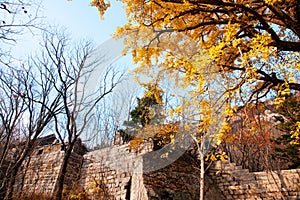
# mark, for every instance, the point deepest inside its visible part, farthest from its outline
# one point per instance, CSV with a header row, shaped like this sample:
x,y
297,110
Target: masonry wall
x,y
40,171
237,183
179,180
116,173
109,171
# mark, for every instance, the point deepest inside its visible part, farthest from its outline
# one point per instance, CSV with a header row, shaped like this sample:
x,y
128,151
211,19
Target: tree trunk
x,y
62,173
23,177
14,172
4,150
11,183
202,171
202,166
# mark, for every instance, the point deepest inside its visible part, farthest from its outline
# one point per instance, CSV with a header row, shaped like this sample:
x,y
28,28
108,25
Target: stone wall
x,y
40,171
116,173
237,183
109,171
73,171
177,181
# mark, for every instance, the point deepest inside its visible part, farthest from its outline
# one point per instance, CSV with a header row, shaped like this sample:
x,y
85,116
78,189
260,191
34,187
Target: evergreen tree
x,y
148,107
289,145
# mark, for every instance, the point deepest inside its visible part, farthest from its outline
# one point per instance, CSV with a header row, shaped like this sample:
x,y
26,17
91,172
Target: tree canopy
x,y
250,40
250,47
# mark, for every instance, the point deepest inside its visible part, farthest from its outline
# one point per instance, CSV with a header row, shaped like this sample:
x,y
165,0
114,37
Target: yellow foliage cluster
x,y
224,53
135,142
101,5
214,156
155,90
166,134
224,135
78,196
295,135
283,92
241,35
272,2
160,134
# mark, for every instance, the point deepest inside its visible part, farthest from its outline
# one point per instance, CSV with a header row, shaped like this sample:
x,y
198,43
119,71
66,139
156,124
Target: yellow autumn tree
x,y
251,51
253,45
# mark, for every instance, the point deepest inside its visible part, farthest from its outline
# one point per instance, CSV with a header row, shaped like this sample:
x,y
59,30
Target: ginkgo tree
x,y
253,45
251,48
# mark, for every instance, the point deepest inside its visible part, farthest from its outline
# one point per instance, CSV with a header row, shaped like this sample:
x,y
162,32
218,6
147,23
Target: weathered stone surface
x,y
256,185
116,172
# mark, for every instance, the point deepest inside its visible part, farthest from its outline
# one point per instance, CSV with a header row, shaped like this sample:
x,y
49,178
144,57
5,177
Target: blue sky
x,y
83,20
80,19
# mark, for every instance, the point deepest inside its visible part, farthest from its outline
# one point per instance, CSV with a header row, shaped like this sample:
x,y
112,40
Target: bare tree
x,y
12,108
74,65
114,111
17,17
32,97
106,123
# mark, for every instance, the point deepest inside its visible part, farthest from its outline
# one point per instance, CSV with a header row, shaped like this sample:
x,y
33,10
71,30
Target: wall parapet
x,y
237,183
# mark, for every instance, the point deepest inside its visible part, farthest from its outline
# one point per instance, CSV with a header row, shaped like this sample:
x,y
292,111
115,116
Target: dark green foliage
x,y
126,137
146,111
140,114
290,111
287,121
147,106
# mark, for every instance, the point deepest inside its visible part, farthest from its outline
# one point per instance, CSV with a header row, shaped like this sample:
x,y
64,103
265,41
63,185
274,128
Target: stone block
x,y
239,192
234,187
272,188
